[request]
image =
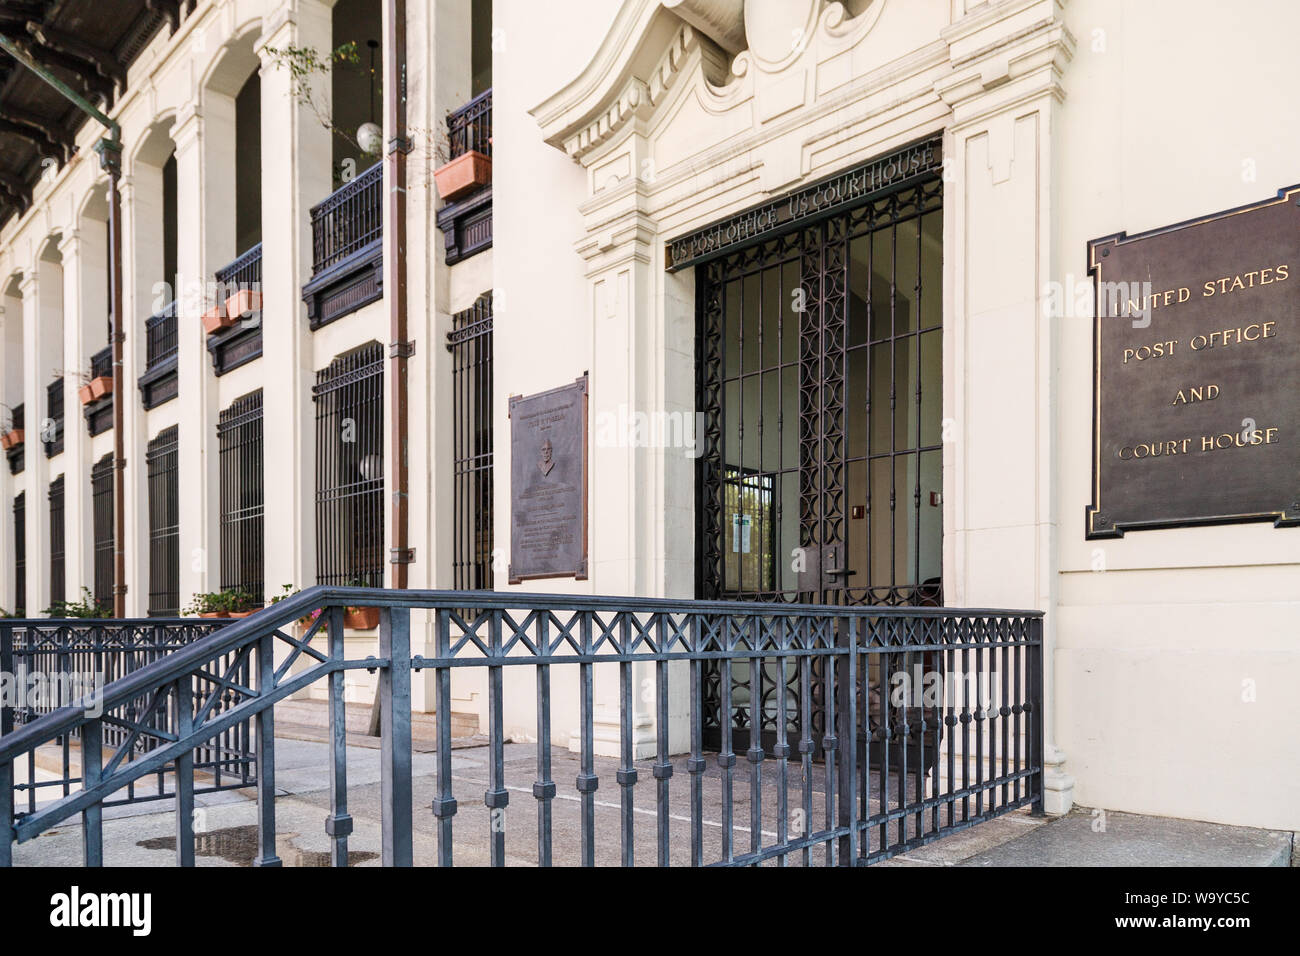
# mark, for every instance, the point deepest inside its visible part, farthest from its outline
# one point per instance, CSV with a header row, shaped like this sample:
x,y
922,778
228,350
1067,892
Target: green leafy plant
x,y
87,607
305,64
286,591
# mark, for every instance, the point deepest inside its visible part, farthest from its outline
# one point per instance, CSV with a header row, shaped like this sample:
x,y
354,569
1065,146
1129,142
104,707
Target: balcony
x,y
158,383
465,181
235,324
347,239
54,413
97,396
14,441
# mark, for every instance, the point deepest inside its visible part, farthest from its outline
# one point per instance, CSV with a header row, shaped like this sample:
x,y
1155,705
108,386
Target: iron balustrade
x,y
20,554
53,662
469,129
241,343
243,531
57,581
349,398
101,498
52,429
245,272
860,804
101,363
164,524
470,344
160,336
348,220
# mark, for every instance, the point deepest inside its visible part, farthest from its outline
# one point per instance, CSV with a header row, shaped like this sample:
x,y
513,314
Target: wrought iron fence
x,y
20,554
53,663
469,129
160,336
239,435
57,579
54,412
470,344
349,219
349,397
867,799
164,524
101,498
245,272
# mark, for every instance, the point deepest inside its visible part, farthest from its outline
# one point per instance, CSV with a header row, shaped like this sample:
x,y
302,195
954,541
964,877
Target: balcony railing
x,y
349,220
54,412
99,413
241,341
160,336
975,715
158,383
347,230
101,363
469,129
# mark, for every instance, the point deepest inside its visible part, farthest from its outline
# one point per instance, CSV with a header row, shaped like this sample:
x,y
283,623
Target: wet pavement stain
x,y
238,845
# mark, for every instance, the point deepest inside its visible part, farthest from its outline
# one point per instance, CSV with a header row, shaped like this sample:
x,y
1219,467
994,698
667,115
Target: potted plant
x,y
360,618
243,303
288,591
100,386
85,394
241,603
215,319
210,604
87,607
463,175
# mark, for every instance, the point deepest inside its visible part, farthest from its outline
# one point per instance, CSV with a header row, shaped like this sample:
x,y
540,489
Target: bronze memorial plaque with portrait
x,y
1196,365
548,484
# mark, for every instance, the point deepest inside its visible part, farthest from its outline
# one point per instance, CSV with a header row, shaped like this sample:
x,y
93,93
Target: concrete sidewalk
x,y
144,834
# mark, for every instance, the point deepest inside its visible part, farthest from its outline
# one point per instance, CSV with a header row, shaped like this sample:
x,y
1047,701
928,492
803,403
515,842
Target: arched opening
x,y
356,86
157,280
248,164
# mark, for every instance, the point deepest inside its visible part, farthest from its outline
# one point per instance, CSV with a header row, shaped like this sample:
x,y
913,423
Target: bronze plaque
x,y
1196,365
548,484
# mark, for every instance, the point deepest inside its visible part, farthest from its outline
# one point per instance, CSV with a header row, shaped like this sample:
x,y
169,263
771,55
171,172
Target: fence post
x,y
395,729
264,733
1036,719
847,731
338,825
9,677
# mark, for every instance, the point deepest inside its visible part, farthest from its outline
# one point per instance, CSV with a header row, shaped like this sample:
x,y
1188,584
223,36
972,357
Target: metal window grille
x,y
160,336
349,219
470,127
349,398
101,498
17,456
239,436
470,344
57,580
20,554
164,525
54,411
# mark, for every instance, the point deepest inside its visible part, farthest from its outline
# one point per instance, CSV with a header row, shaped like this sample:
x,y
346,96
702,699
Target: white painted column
x,y
999,348
36,473
78,344
204,186
296,174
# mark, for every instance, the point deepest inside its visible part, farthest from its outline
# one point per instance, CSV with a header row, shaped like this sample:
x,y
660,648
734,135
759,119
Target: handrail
x,y
851,642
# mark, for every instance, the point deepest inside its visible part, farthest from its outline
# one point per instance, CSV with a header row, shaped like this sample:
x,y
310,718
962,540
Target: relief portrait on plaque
x,y
548,483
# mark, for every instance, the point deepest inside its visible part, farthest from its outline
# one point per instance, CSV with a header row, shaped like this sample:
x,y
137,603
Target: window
x,y
57,580
54,409
349,397
101,499
164,525
470,344
239,435
20,554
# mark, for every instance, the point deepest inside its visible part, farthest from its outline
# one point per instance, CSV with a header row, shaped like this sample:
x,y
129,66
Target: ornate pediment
x,y
652,41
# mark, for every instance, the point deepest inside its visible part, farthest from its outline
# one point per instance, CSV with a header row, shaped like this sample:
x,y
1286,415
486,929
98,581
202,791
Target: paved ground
x,y
142,834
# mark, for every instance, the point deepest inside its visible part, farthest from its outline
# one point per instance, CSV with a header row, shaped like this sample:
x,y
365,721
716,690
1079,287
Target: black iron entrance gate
x,y
820,377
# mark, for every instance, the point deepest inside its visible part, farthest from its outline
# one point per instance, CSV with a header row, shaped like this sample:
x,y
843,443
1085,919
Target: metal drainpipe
x,y
109,149
400,349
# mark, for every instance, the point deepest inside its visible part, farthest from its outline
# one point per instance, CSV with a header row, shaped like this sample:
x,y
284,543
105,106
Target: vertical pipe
x,y
395,272
113,159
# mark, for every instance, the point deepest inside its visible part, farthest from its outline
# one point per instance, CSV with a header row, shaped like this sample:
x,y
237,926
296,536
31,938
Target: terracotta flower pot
x,y
85,394
463,175
214,614
361,618
215,319
242,304
101,386
244,613
12,439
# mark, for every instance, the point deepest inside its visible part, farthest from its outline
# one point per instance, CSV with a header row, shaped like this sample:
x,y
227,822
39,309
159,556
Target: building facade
x,y
825,268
